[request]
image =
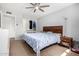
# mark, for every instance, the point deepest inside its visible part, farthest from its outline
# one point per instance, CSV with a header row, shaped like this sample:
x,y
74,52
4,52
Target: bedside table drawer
x,y
65,40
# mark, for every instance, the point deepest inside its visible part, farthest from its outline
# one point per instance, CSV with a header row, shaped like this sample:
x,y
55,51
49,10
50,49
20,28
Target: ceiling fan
x,y
37,6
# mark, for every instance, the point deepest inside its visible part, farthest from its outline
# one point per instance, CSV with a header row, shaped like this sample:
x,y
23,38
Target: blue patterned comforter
x,y
40,40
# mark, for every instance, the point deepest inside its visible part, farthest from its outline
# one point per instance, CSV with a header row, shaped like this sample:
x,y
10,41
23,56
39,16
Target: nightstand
x,y
66,41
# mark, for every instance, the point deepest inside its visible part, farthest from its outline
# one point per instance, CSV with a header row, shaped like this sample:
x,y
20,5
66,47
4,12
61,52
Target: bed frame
x,y
54,29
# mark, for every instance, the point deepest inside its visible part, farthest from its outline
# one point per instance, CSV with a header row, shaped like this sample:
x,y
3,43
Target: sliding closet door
x,y
8,22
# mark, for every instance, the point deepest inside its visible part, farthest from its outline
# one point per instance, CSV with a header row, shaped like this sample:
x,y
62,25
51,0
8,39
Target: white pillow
x,y
58,36
50,32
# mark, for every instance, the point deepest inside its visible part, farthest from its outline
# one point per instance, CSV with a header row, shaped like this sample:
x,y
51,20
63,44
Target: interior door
x,y
8,22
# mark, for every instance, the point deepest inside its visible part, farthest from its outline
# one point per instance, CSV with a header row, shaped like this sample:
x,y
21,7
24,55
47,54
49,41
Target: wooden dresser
x,y
66,41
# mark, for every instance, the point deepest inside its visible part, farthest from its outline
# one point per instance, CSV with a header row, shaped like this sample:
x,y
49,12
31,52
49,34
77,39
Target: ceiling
x,y
19,8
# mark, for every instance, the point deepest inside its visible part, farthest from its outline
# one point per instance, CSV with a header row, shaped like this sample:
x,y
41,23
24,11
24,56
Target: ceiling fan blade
x,y
41,9
32,4
34,10
44,6
28,7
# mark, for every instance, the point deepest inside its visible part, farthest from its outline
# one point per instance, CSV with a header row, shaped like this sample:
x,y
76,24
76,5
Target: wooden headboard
x,y
54,29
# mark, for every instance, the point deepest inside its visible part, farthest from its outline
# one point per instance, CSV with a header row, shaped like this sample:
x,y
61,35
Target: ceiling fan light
x,y
36,7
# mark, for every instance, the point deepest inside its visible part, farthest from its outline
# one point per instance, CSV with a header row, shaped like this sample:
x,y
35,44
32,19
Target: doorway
x,y
8,22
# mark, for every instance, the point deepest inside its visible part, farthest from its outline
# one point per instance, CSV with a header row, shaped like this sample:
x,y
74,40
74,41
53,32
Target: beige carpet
x,y
20,48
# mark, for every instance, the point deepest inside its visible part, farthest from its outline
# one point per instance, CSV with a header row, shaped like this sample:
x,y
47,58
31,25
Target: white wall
x,y
71,28
72,14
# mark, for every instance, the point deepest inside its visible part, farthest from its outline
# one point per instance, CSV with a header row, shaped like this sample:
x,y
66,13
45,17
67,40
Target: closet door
x,y
8,22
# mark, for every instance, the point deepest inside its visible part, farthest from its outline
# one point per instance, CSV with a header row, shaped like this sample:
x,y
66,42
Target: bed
x,y
40,40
